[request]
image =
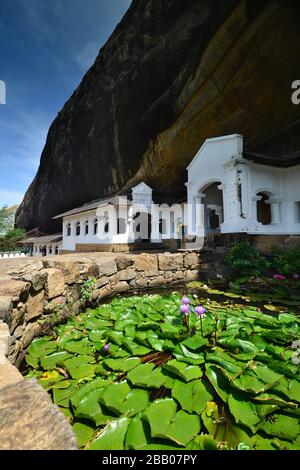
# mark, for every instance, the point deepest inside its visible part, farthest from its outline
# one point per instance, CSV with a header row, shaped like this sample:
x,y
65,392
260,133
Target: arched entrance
x,y
142,226
212,198
263,206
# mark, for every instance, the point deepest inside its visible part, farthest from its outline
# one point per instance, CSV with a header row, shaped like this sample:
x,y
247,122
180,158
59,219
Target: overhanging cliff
x,y
172,74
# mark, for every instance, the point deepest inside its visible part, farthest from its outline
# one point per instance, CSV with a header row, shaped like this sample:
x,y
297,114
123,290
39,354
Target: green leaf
x,y
195,342
193,396
289,388
146,375
284,427
83,433
184,371
122,365
121,399
218,381
83,371
41,347
203,442
84,390
165,423
222,428
135,348
89,408
32,361
61,396
50,362
138,434
49,378
112,437
243,410
84,346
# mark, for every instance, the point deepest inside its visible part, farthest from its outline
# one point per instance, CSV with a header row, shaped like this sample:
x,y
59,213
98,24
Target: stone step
x,y
29,420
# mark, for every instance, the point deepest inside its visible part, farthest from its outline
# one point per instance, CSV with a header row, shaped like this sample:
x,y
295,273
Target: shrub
x,y
286,262
247,259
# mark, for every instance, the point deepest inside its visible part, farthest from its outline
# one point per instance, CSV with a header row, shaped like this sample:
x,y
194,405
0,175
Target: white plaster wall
x,y
69,242
221,160
283,184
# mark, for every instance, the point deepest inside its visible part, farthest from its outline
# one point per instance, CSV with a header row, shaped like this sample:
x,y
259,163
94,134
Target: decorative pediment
x,y
142,188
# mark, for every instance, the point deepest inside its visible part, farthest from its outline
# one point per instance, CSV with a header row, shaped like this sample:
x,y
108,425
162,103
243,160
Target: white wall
x,y
221,160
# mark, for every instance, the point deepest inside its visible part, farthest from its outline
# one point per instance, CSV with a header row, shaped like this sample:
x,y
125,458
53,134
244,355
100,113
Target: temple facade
x,y
228,192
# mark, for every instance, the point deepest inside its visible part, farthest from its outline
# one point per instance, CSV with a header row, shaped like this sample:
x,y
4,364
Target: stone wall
x,y
45,292
23,425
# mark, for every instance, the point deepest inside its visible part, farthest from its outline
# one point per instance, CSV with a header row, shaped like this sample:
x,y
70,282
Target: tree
x,y
7,218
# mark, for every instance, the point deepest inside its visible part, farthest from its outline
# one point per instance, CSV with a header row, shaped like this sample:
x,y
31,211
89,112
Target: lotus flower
x,y
106,347
279,277
296,276
200,311
185,309
185,300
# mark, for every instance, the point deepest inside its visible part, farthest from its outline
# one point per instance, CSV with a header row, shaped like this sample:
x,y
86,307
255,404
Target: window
x,y
106,227
297,206
162,226
78,229
69,229
264,209
56,250
86,227
95,226
121,226
50,250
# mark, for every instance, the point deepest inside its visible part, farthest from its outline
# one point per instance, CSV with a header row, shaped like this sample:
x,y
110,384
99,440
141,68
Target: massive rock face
x,y
172,74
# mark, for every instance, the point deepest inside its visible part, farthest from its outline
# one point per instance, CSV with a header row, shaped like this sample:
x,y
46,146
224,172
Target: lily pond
x,y
210,370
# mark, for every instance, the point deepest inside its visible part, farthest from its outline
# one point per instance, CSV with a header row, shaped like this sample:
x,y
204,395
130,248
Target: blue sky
x,y
46,46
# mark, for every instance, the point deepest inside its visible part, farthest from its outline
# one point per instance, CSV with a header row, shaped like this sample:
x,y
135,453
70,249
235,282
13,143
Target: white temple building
x,y
227,193
233,194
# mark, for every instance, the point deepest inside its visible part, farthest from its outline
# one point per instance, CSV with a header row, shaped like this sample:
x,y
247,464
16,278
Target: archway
x,y
264,215
213,207
142,226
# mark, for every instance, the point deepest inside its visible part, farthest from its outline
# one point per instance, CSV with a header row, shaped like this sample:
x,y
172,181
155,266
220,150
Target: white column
x,y
275,211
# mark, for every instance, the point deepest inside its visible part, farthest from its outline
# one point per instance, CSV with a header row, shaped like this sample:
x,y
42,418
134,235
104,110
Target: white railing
x,y
10,255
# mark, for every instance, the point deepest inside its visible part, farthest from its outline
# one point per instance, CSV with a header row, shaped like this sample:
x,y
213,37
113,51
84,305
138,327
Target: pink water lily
x,y
185,309
296,276
279,277
200,311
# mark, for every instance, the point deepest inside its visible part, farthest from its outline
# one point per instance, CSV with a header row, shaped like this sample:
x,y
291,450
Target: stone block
x,y
29,420
36,278
191,275
123,262
17,290
5,306
55,283
120,287
55,304
170,262
35,306
31,331
70,269
102,281
191,260
9,375
146,262
4,338
157,281
108,268
126,274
